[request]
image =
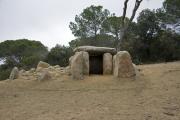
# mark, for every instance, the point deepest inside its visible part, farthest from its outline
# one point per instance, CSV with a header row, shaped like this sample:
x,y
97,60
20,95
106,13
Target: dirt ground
x,y
153,95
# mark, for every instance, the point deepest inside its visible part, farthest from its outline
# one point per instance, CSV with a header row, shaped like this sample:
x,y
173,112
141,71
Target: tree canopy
x,y
89,22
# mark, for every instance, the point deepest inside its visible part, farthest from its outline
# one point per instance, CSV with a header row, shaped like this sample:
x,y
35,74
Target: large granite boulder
x,y
114,71
107,64
95,50
14,73
42,64
70,59
123,66
77,66
85,63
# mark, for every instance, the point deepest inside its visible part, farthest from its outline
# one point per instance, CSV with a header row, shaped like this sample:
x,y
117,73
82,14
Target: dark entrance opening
x,y
96,64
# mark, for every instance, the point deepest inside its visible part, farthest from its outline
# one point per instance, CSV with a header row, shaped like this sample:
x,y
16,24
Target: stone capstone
x,y
95,50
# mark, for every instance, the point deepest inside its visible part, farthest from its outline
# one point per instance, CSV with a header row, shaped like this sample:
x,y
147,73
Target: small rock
x,y
32,70
56,66
42,64
44,76
68,70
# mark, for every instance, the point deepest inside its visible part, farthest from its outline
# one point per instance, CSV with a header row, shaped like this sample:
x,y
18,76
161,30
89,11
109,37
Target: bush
x,y
59,55
4,72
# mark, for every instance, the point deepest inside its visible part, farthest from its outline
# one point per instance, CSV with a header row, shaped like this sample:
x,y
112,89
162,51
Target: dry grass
x,y
153,95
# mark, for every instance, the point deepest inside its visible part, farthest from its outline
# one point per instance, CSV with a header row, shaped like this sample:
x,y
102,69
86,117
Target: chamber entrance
x,y
96,64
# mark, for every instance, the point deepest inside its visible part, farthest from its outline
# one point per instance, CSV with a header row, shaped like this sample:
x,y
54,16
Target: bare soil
x,y
153,95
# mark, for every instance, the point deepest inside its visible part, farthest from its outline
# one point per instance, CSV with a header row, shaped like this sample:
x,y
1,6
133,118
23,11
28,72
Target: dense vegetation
x,y
155,37
21,53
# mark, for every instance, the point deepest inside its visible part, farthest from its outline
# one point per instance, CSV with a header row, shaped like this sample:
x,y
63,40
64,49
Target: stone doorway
x,y
96,64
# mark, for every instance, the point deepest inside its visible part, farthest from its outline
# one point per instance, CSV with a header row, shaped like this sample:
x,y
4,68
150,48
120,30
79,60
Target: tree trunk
x,y
124,28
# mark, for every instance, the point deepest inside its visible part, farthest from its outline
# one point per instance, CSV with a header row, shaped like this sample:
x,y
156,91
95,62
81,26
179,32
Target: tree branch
x,y
137,4
124,11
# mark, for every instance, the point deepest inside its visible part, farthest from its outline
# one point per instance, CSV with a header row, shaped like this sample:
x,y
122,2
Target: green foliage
x,y
147,24
89,22
59,55
113,25
147,42
22,53
30,61
172,10
101,41
4,74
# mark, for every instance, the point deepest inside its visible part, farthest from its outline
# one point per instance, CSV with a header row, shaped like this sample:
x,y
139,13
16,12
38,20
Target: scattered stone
x,y
42,64
51,68
56,66
22,71
32,70
123,66
14,73
62,68
44,76
68,70
107,64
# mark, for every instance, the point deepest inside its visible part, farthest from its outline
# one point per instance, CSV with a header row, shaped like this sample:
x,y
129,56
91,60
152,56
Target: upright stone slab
x,y
77,66
123,65
107,64
85,63
14,73
114,68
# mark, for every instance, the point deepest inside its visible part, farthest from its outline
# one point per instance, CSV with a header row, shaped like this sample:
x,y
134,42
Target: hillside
x,y
153,95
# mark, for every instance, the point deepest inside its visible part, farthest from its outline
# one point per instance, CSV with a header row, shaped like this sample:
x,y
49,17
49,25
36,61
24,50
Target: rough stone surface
x,y
70,60
68,70
22,71
42,64
44,76
32,70
95,50
123,65
56,66
114,71
77,66
85,63
14,73
107,64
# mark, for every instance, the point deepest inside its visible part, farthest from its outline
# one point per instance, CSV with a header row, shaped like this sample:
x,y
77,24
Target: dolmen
x,y
89,60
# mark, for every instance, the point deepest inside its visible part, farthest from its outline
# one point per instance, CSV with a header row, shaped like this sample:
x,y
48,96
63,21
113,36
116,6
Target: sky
x,y
48,20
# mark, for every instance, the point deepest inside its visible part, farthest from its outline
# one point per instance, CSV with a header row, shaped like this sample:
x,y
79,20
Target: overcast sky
x,y
48,20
